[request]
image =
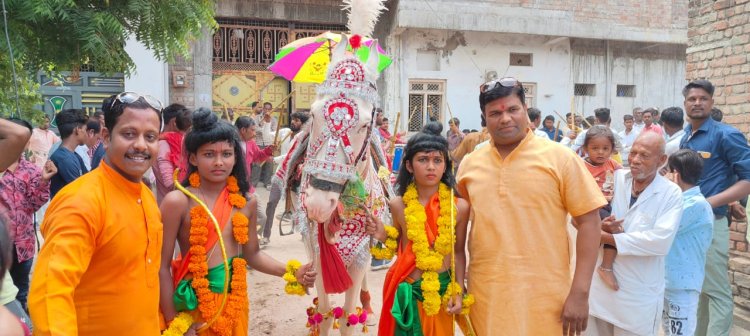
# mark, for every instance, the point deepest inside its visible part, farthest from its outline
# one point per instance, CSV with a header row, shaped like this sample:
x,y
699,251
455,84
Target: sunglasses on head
x,y
508,82
131,97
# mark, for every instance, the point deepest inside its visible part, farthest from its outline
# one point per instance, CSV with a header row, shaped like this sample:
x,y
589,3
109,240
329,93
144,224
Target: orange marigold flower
x,y
195,180
232,184
237,201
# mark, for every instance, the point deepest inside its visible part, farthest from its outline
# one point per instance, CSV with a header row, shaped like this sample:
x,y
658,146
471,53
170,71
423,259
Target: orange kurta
x,y
440,324
518,245
98,270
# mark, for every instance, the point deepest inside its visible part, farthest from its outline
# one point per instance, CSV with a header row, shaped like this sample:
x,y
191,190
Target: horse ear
x,y
374,58
340,50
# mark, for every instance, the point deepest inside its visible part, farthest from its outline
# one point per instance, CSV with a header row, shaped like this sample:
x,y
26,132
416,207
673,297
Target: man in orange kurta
x,y
521,187
98,270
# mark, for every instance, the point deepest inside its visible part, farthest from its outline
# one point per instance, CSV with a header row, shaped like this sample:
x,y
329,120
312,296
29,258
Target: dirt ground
x,y
273,312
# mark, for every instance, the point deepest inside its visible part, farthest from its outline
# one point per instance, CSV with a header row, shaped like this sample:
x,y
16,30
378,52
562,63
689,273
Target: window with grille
x,y
425,103
626,90
584,89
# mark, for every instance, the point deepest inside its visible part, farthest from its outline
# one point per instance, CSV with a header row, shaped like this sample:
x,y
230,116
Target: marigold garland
x,y
198,264
429,260
180,325
386,251
455,289
293,287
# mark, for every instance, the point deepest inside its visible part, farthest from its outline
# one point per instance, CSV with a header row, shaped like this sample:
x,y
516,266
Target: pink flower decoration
x,y
310,321
338,312
353,319
363,317
318,318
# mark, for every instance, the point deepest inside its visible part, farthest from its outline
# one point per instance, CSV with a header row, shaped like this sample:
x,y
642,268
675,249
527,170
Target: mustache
x,y
146,155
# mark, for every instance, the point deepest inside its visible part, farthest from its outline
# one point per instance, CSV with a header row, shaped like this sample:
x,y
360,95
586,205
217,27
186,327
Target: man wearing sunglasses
x,y
521,188
98,270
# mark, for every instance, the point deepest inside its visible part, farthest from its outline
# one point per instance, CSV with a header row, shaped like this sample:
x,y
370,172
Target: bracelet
x,y
386,251
455,289
180,325
293,287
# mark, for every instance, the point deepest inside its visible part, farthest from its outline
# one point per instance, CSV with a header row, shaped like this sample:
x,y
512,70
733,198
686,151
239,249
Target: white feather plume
x,y
363,14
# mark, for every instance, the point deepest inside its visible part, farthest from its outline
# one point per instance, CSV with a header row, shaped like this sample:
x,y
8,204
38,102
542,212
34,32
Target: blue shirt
x,y
686,259
551,134
98,155
69,165
725,154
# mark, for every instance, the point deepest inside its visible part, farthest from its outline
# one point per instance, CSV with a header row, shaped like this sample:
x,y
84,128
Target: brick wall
x,y
719,50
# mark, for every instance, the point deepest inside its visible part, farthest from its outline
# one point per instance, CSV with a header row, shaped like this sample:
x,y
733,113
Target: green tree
x,y
57,35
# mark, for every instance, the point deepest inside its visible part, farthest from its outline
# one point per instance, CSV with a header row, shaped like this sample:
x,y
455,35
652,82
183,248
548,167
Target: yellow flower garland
x,y
386,251
293,287
428,260
180,325
453,290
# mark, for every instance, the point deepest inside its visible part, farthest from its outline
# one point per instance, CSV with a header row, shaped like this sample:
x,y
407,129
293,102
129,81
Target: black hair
x,y
112,114
599,131
208,129
627,117
95,125
534,113
68,120
549,117
567,115
244,122
179,111
267,103
716,114
590,121
703,84
22,122
498,92
106,104
688,163
427,140
303,117
672,116
455,121
254,104
652,111
602,115
99,114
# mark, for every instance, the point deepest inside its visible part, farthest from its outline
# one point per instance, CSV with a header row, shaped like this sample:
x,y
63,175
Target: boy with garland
x,y
420,292
194,285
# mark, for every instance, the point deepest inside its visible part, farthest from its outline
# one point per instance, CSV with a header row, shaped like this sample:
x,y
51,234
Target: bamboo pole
x,y
395,132
557,130
278,116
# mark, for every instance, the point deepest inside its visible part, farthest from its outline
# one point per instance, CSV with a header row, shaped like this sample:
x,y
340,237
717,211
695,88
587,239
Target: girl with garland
x,y
192,287
418,295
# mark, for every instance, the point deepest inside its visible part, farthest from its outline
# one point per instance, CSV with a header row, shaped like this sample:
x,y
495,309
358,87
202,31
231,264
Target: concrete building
x,y
567,54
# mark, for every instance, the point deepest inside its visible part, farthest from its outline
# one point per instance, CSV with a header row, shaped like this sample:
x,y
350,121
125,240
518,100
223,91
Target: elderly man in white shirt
x,y
646,211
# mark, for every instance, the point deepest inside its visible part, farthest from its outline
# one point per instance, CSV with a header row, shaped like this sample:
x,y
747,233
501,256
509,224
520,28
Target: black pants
x,y
19,272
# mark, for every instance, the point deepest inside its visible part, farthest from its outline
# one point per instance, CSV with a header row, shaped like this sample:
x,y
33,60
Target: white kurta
x,y
650,226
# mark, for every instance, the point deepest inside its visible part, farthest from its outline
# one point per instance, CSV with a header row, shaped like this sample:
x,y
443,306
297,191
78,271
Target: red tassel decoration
x,y
335,277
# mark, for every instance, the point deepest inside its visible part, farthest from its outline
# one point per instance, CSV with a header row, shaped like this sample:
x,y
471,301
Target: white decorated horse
x,y
338,152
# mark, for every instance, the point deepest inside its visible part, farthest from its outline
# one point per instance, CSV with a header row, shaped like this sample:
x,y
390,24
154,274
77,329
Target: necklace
x,y
199,262
429,260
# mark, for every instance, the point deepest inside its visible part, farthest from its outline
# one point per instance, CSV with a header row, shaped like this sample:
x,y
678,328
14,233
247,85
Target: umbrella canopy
x,y
306,60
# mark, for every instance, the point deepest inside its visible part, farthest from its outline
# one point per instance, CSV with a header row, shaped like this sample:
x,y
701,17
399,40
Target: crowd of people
x,y
649,205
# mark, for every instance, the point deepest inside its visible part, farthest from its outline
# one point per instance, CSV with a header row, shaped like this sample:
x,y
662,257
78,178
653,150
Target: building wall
x,y
656,70
465,58
628,20
719,50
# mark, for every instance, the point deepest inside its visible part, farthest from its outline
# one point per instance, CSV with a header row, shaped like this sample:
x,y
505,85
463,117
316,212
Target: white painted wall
x,y
658,83
464,68
150,76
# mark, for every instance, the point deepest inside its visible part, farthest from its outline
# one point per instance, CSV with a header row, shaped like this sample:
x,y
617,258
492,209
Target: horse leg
x,y
324,303
350,301
364,297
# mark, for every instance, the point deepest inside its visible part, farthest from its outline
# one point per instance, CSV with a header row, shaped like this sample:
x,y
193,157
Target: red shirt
x,y
23,192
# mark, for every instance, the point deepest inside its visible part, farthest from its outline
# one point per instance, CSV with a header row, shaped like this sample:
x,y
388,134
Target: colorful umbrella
x,y
306,60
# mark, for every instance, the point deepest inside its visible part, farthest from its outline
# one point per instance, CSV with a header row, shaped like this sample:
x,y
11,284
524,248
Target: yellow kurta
x,y
519,256
97,271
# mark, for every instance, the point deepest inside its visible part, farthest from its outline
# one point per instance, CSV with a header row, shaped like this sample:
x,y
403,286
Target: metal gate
x,y
83,90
